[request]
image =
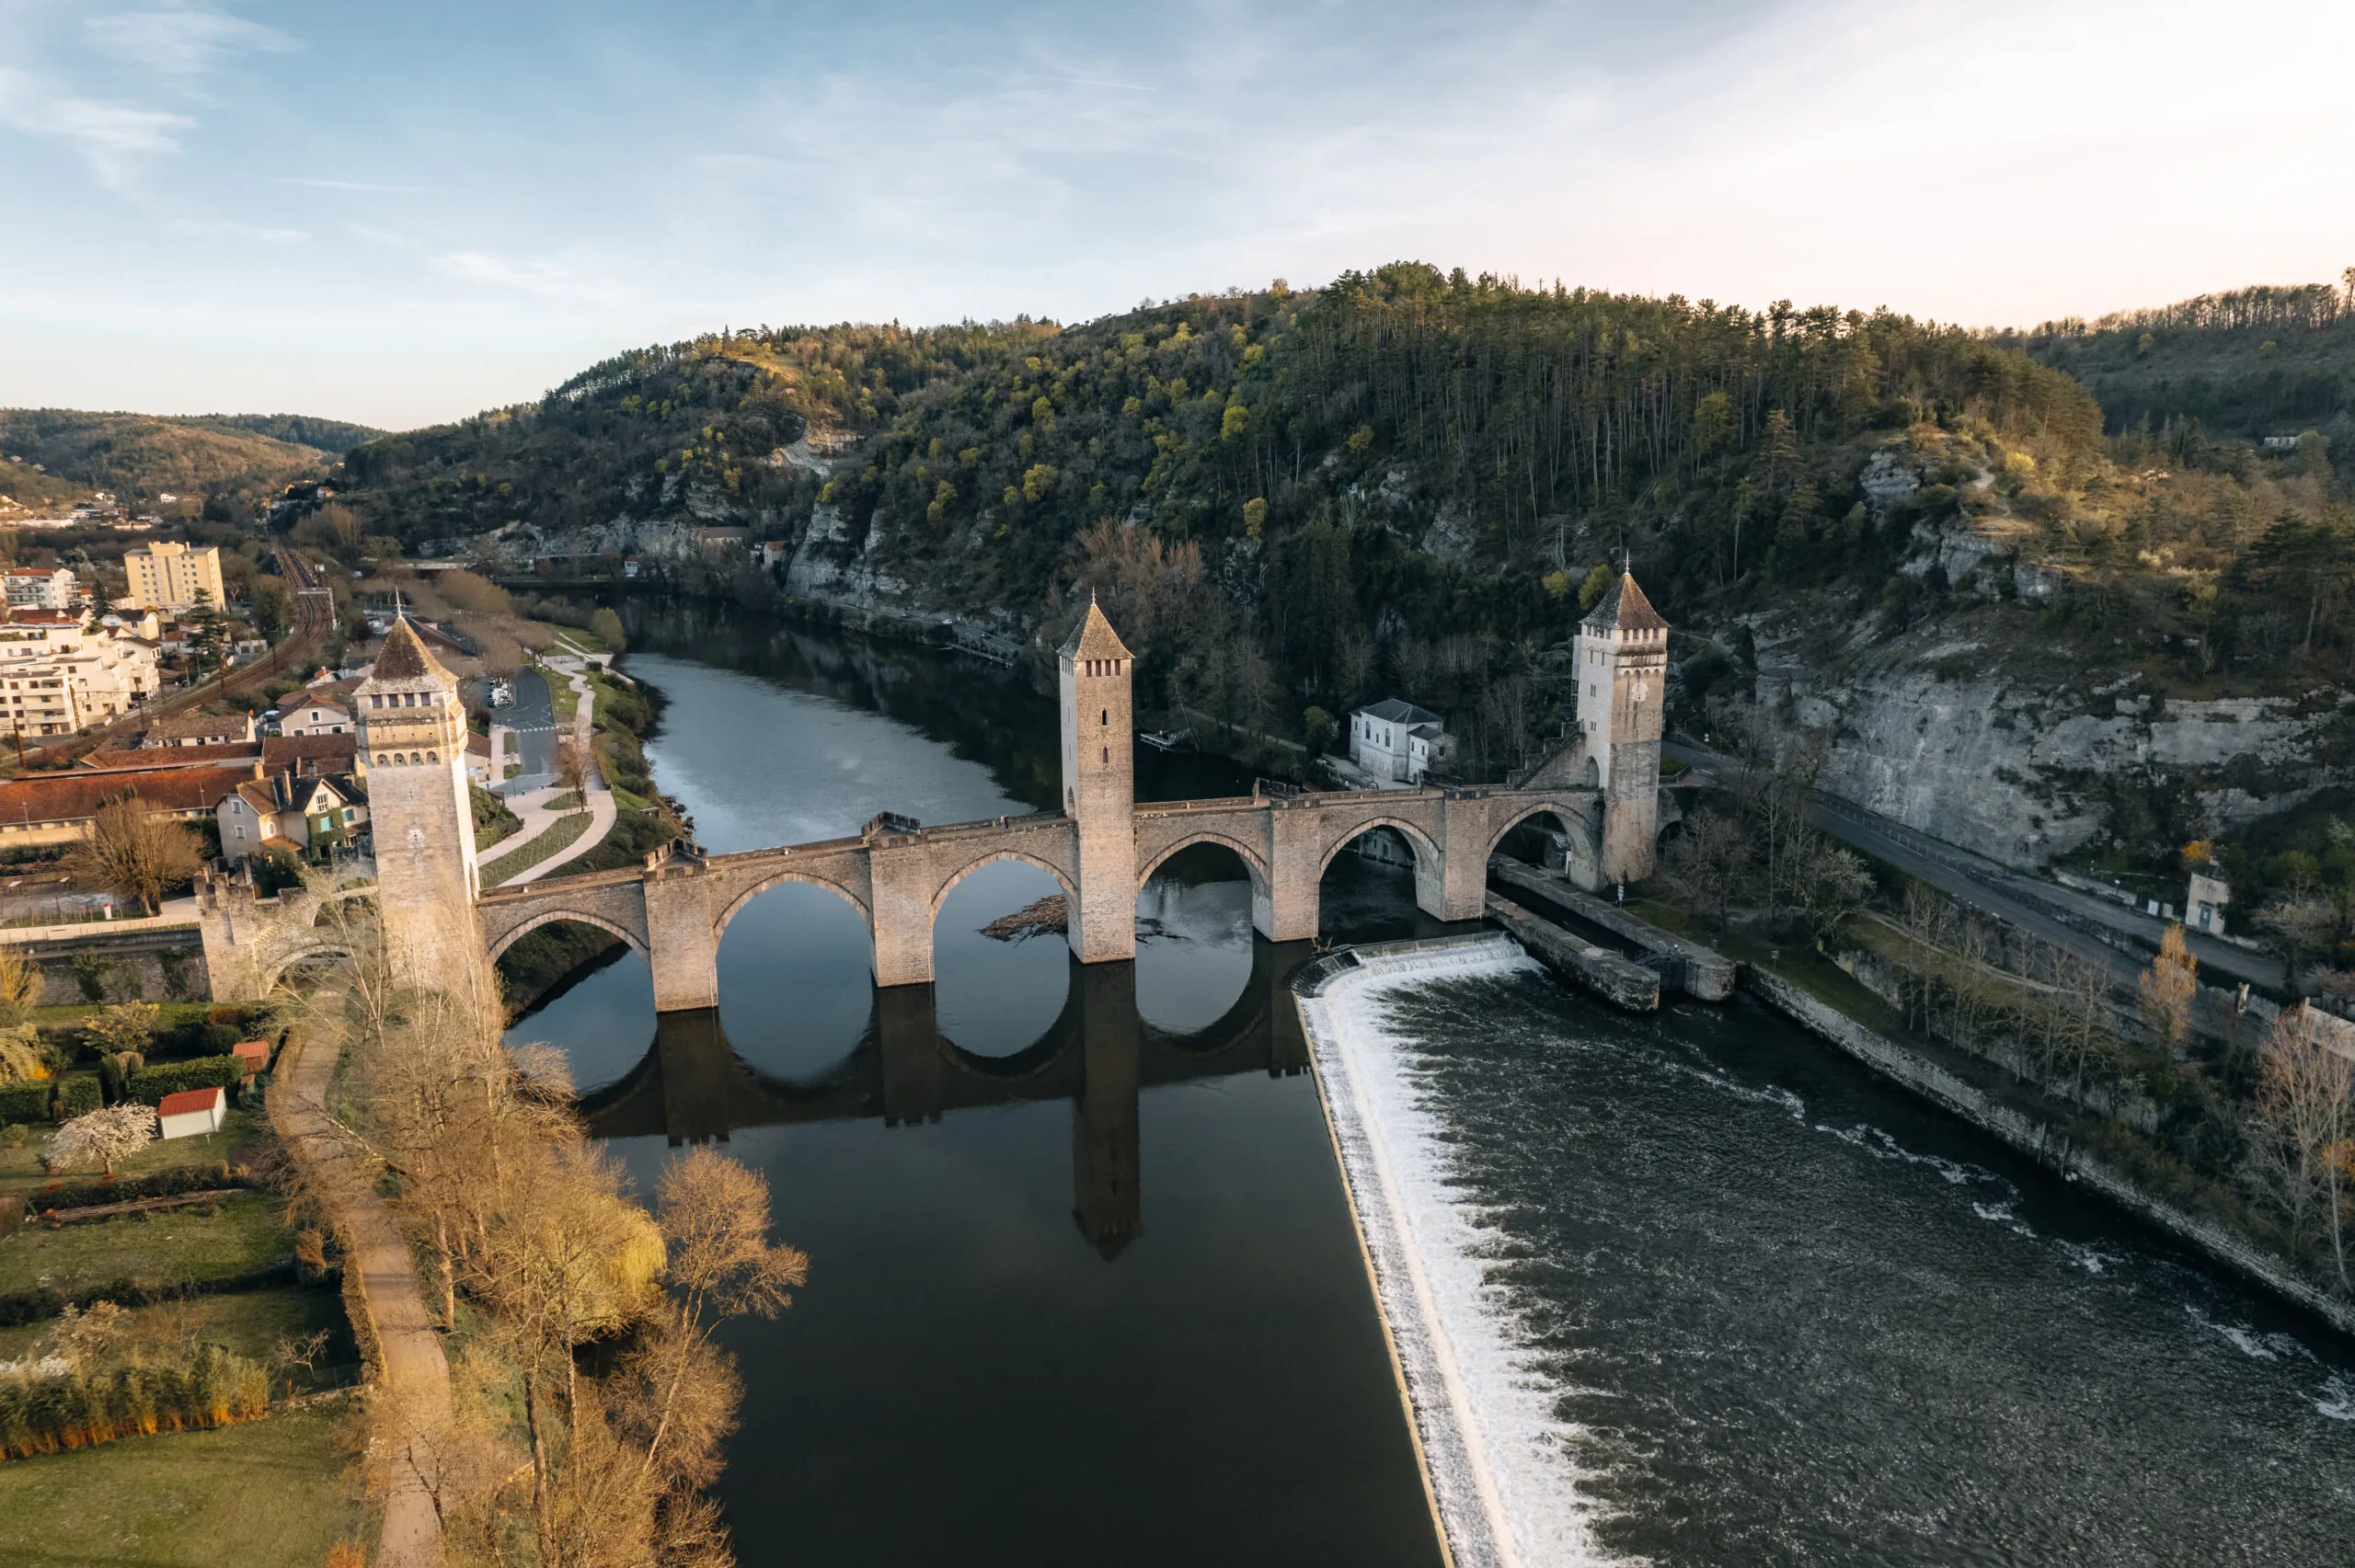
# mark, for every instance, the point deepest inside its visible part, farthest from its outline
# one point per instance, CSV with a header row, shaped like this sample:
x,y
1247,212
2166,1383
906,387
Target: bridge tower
x,y
413,746
1099,788
1622,656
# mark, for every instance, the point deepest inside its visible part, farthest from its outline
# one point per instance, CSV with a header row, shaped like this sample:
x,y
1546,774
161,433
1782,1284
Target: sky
x,y
400,213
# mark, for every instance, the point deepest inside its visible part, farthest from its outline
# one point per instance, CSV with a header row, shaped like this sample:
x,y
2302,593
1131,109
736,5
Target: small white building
x,y
193,1111
317,716
2205,901
1395,742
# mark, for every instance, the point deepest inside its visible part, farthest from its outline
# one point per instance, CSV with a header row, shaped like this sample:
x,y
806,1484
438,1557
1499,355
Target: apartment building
x,y
32,588
167,575
58,675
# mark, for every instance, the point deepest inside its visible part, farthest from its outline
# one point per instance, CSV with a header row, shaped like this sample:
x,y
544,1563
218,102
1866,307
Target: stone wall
x,y
1620,981
163,974
2046,1142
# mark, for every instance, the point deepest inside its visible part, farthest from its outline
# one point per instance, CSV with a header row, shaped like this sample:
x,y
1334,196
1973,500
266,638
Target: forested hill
x,y
1409,479
2248,364
225,461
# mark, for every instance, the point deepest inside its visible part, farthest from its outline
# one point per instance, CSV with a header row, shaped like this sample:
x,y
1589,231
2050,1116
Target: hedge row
x,y
44,1301
130,1189
47,1100
213,1388
150,1084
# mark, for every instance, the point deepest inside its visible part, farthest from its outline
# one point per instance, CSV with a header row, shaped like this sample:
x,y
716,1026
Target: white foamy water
x,y
1506,1487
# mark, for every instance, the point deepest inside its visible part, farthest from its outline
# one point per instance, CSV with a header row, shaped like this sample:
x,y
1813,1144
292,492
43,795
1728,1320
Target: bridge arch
x,y
1575,826
948,884
278,966
736,905
578,917
1429,858
1253,861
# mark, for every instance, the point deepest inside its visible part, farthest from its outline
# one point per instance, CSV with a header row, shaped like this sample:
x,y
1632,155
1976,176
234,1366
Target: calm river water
x,y
1085,1288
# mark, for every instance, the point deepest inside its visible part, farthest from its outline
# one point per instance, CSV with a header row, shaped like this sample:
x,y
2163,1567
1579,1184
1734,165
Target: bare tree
x,y
2303,1143
1708,863
1828,884
135,852
715,1215
2302,925
572,767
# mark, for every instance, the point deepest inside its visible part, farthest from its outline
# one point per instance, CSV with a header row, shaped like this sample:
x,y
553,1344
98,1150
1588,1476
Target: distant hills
x,y
2247,363
229,460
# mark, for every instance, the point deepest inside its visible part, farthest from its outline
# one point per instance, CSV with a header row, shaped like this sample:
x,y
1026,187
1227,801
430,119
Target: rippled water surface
x,y
1790,1315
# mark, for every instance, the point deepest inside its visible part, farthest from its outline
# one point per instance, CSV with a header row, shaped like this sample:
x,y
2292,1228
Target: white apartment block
x,y
30,588
58,676
168,574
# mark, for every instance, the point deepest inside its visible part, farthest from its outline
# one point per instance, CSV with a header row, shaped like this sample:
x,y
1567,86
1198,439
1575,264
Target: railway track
x,y
314,619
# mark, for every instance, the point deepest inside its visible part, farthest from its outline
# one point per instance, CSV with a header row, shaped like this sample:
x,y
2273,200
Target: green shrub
x,y
26,1101
76,1095
150,1084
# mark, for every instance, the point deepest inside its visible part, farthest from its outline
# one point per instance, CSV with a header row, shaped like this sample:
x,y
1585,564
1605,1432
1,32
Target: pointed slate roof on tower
x,y
1093,637
405,657
1626,609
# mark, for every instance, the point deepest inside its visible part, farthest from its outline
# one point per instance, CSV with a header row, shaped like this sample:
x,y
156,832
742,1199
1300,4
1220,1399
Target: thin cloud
x,y
112,136
379,236
1085,82
241,231
546,278
183,43
355,185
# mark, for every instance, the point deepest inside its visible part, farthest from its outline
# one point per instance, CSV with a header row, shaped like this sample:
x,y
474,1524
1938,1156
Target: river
x,y
1767,1308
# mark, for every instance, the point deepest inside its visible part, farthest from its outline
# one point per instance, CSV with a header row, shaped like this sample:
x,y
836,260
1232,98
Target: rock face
x,y
2019,772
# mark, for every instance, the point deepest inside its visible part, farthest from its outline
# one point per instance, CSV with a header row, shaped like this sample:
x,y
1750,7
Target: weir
x,y
1601,785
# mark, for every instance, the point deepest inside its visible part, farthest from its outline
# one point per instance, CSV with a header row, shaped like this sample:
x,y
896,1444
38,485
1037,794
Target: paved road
x,y
531,717
2059,915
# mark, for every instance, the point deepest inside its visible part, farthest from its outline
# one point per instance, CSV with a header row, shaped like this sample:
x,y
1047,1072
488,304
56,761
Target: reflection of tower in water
x,y
1107,1200
1099,1054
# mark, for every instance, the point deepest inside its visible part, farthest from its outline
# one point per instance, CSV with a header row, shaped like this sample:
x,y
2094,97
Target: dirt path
x,y
417,1376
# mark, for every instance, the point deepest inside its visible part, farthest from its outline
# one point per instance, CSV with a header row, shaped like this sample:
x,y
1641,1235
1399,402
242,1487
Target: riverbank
x,y
1502,1488
2046,1140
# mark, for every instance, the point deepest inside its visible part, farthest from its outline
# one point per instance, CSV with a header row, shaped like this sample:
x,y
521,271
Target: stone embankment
x,y
1619,980
1684,967
2043,1139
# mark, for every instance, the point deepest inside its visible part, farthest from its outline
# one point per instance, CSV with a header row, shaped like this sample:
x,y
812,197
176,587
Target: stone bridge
x,y
1101,846
675,910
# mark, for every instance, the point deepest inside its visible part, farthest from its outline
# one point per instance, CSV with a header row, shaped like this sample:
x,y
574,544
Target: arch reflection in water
x,y
1099,1054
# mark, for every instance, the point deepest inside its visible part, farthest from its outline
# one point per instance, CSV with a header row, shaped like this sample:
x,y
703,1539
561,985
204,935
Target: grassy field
x,y
564,835
251,1323
20,1169
274,1494
244,1234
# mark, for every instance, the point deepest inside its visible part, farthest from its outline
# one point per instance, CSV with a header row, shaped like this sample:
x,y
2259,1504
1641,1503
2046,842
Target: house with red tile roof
x,y
192,1112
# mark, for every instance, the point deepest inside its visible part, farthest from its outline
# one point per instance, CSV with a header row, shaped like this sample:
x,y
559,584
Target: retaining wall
x,y
1699,972
1623,983
2046,1142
